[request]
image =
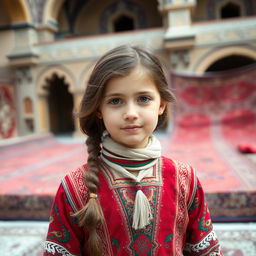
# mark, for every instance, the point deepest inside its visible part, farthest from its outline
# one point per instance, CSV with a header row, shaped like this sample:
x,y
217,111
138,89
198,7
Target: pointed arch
x,y
61,72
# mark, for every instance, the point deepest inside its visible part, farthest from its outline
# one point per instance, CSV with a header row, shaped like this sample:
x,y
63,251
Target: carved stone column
x,y
43,114
179,37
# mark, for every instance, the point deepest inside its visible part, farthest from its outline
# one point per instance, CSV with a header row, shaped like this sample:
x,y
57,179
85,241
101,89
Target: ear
x,y
99,114
162,107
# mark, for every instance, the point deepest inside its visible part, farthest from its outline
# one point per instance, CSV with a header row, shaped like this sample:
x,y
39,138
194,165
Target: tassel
x,y
142,212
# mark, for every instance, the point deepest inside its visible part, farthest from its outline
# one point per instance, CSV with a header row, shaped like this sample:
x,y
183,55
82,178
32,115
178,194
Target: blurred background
x,y
47,51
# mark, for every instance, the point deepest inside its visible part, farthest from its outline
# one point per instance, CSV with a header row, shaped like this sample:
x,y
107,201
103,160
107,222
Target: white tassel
x,y
142,212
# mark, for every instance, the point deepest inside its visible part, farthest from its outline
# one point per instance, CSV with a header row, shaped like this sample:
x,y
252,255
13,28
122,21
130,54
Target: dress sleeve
x,y
64,236
201,238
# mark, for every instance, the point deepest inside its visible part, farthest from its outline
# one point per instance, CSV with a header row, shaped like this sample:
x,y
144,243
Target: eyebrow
x,y
113,95
121,94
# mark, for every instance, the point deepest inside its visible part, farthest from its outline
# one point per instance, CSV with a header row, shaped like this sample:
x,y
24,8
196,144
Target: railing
x,y
93,46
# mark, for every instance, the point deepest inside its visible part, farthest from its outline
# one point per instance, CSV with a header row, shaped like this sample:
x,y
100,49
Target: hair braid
x,y
91,214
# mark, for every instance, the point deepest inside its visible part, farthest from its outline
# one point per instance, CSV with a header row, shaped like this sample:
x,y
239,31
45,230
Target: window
x,y
123,23
230,10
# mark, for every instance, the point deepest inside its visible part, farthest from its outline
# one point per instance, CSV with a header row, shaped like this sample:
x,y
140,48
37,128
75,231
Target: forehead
x,y
137,79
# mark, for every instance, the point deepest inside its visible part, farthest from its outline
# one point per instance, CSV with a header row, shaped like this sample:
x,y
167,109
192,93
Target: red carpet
x,y
214,116
31,171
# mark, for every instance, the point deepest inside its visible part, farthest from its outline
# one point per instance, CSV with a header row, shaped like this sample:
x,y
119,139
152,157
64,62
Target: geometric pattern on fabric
x,y
56,249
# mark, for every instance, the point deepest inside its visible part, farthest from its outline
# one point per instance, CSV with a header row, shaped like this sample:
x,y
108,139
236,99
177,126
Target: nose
x,y
130,112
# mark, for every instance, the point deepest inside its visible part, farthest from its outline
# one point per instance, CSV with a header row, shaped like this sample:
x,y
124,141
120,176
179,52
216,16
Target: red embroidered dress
x,y
181,223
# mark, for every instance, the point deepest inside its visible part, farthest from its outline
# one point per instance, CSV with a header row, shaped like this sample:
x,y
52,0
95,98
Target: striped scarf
x,y
123,160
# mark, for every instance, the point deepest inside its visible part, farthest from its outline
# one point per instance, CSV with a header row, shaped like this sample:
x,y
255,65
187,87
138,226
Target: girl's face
x,y
130,108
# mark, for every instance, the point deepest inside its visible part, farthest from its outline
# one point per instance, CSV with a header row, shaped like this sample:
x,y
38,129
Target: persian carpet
x,y
216,115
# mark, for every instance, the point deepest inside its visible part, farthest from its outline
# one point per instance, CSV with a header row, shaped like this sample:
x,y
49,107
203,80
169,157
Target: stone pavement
x,y
25,238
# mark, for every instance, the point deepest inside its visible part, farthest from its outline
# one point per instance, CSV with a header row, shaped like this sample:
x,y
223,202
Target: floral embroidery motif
x,y
203,244
142,245
142,240
56,248
63,235
203,224
168,240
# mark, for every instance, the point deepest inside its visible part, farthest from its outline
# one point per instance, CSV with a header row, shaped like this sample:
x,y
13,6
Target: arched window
x,y
123,23
230,10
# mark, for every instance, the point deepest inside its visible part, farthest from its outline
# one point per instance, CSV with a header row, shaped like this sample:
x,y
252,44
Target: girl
x,y
128,199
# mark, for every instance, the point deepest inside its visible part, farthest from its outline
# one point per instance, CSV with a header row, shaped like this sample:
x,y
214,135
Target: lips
x,y
131,127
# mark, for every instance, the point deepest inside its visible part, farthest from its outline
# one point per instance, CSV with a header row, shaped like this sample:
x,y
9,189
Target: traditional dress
x,y
181,223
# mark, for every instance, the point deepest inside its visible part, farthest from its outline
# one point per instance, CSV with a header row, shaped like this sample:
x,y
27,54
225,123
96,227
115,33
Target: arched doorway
x,y
60,103
230,62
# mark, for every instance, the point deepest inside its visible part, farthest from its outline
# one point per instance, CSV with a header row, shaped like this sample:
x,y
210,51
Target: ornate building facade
x,y
48,48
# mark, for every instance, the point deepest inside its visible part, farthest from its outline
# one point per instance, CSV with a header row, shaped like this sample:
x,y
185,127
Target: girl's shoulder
x,y
75,187
76,177
169,163
185,178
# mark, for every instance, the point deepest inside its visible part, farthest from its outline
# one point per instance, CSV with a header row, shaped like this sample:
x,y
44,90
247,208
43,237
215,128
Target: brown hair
x,y
118,62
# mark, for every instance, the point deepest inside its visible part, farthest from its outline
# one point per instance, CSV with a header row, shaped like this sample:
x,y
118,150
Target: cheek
x,y
109,119
153,112
151,116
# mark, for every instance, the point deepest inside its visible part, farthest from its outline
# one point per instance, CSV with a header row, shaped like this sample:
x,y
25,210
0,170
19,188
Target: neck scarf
x,y
122,159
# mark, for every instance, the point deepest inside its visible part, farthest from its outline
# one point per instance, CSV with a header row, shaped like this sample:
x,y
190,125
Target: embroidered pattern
x,y
141,240
63,235
184,179
204,224
53,248
142,245
77,180
125,191
70,199
203,244
216,252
